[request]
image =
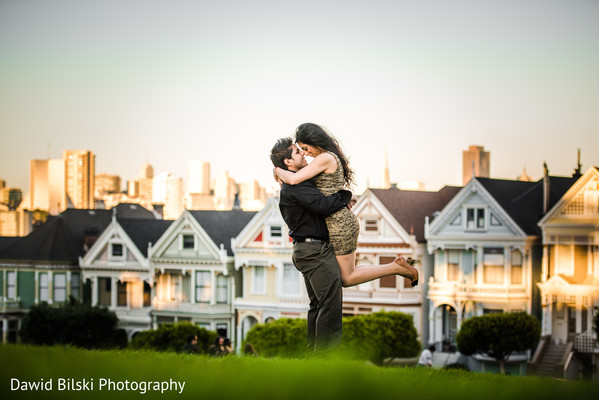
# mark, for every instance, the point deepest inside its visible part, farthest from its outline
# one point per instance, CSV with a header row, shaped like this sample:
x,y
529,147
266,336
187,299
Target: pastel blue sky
x,y
221,81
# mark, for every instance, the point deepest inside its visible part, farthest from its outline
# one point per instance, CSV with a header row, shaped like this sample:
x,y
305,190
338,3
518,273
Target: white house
x,y
271,286
193,265
486,248
118,267
570,271
392,225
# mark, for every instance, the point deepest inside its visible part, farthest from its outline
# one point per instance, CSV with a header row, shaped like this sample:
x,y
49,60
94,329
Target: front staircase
x,y
549,359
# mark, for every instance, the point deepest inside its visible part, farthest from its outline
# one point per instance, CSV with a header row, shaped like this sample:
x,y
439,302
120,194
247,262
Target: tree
x,y
499,335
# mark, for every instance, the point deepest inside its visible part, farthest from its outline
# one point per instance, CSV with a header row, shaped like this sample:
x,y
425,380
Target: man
x,y
426,357
191,347
304,207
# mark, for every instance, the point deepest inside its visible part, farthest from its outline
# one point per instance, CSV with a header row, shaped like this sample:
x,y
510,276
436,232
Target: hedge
x,y
172,337
371,337
72,324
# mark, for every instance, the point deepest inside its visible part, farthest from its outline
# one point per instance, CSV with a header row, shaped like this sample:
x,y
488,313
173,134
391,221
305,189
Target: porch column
x,y
212,288
192,289
459,315
507,263
479,265
545,263
113,292
431,324
4,330
94,282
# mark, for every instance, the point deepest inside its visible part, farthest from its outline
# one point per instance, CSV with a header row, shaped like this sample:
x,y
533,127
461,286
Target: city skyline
x,y
180,81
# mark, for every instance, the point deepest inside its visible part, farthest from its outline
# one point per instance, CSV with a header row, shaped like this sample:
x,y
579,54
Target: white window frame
x,y
111,256
183,236
291,287
43,287
476,210
11,286
566,268
205,287
496,266
220,289
76,285
450,254
277,228
371,221
259,289
57,290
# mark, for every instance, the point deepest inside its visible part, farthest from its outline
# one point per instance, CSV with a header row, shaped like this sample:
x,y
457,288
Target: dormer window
x,y
116,250
188,242
371,225
276,231
475,218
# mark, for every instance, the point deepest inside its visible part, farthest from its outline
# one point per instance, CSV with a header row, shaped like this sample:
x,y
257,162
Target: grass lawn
x,y
251,378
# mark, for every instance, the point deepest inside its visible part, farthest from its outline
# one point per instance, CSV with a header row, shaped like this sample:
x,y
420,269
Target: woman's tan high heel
x,y
413,271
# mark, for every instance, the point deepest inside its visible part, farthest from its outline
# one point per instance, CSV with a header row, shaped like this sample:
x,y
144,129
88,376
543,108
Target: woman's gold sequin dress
x,y
343,225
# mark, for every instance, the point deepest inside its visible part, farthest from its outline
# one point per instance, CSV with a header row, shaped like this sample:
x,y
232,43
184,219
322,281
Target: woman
x,y
330,172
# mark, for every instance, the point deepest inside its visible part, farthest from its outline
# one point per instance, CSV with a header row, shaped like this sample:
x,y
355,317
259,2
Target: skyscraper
x,y
80,168
46,187
385,184
198,177
476,162
168,190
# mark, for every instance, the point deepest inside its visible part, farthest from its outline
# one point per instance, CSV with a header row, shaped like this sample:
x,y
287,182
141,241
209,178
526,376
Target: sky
x,y
170,81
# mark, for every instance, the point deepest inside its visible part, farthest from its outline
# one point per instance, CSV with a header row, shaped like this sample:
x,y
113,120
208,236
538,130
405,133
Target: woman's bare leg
x,y
352,275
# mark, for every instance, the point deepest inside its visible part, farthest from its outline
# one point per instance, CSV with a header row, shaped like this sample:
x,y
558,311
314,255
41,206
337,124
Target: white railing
x,y
162,305
585,343
10,304
473,290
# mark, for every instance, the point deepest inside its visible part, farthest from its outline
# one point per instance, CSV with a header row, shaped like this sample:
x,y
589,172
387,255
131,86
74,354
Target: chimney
x,y
236,202
90,235
577,171
546,188
158,210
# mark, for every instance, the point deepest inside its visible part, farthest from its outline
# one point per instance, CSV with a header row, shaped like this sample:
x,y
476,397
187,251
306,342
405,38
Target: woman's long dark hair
x,y
316,136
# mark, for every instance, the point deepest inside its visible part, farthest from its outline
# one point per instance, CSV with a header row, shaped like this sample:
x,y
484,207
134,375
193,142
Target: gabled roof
x,y
523,201
410,207
6,241
222,226
144,231
51,242
61,237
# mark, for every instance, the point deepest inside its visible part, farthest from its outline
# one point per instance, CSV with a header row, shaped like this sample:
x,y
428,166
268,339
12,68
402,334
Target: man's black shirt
x,y
304,207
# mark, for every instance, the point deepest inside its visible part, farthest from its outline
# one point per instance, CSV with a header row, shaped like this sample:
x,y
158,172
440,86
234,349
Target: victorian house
x,y
270,285
118,270
192,270
569,277
392,225
487,251
44,265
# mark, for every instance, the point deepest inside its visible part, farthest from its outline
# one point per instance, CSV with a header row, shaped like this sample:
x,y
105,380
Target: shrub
x,y
499,335
285,337
370,337
172,337
380,335
73,324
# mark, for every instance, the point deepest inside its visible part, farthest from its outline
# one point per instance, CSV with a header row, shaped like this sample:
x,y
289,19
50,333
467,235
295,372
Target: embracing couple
x,y
317,209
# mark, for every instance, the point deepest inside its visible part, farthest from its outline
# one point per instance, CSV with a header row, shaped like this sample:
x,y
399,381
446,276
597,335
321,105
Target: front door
x,y
560,323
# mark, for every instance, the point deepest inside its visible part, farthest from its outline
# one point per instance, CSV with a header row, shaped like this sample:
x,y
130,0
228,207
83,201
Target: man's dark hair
x,y
282,150
190,338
